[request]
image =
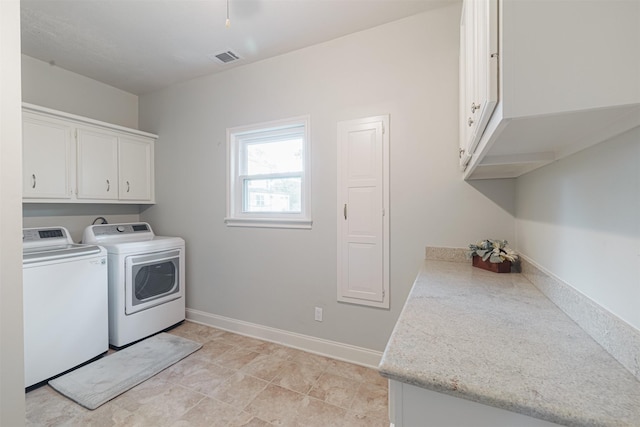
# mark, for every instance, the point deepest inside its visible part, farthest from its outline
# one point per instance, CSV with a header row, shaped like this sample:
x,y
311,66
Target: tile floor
x,y
232,381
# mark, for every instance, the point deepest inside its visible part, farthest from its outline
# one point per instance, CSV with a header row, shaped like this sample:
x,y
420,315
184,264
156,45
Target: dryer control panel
x,y
112,233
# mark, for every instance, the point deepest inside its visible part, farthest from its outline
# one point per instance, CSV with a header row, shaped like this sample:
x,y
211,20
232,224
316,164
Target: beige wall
x,y
275,278
76,217
53,87
579,218
11,342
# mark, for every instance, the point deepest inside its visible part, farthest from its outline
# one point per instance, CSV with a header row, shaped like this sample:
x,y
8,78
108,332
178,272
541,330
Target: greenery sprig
x,y
495,251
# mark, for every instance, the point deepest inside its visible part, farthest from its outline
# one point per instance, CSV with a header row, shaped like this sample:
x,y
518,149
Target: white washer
x,y
146,280
65,303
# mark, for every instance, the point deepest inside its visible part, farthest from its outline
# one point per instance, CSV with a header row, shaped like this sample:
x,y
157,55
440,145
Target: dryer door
x,y
152,279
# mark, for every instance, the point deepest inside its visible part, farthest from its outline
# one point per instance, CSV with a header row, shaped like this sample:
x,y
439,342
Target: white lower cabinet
x,y
411,406
72,159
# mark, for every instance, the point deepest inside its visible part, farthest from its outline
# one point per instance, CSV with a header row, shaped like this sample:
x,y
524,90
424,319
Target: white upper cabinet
x,y
48,164
135,169
569,78
68,158
478,72
97,164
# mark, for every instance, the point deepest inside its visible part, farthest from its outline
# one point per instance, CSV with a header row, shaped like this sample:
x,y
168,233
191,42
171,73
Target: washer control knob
x,y
120,228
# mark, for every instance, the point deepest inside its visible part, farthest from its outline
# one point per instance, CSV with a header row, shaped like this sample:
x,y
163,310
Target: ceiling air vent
x,y
225,57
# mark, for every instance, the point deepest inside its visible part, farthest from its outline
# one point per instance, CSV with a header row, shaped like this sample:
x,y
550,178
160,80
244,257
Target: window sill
x,y
269,223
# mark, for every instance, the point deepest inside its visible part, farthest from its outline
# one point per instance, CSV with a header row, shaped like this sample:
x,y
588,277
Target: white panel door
x,y
363,225
97,164
46,158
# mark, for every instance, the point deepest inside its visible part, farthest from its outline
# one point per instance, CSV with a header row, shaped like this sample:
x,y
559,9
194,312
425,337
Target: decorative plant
x,y
495,251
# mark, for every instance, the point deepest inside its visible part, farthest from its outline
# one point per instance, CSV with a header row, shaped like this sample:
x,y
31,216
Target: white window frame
x,y
236,137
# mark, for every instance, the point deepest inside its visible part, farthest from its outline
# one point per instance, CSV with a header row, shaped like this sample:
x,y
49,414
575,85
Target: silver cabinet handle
x,y
469,121
345,211
128,186
108,186
460,153
33,180
474,107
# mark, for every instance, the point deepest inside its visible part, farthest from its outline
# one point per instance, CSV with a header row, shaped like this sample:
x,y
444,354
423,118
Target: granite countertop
x,y
495,339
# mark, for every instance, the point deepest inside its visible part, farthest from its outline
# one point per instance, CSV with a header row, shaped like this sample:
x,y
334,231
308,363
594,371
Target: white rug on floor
x,y
100,381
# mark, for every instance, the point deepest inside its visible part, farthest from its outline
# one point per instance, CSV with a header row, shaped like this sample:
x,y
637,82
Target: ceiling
x,y
144,45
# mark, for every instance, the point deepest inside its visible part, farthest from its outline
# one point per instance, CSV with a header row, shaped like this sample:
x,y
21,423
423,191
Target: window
x,y
269,176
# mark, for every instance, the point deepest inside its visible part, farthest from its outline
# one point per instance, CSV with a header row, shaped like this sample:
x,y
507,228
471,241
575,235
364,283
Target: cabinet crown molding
x,y
84,120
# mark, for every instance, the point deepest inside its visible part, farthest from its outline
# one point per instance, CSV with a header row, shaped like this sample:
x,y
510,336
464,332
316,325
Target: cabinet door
x,y
97,164
467,83
478,72
46,157
486,68
135,173
410,406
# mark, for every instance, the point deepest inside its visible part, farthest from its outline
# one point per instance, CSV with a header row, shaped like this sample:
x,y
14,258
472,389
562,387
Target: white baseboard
x,y
335,350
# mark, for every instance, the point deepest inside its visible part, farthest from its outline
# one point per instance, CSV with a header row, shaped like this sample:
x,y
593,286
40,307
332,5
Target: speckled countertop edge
x,y
495,339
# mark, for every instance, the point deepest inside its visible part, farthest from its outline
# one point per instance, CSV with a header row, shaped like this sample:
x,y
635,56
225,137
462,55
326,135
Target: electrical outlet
x,y
318,314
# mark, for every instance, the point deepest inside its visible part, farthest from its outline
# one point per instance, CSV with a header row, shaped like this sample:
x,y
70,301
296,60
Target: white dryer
x,y
64,303
146,279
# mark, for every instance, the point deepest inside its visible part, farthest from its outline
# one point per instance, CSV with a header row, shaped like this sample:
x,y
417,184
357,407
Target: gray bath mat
x,y
100,381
